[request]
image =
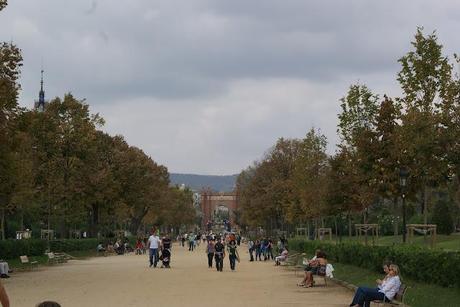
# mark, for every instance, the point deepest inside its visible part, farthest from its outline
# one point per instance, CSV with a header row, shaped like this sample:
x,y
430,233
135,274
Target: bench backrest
x,y
400,294
50,255
24,259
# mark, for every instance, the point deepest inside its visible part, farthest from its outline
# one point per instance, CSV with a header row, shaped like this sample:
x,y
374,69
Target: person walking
x,y
191,242
166,245
219,254
153,243
251,249
233,254
210,250
270,249
258,249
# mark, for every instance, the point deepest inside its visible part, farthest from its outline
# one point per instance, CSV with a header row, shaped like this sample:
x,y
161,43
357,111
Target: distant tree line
x,y
59,171
297,182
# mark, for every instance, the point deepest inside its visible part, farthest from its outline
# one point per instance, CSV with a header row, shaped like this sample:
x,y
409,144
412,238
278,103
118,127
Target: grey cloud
x,y
93,7
198,66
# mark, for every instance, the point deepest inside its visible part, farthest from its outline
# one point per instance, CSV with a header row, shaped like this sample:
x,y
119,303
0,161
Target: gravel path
x,y
128,281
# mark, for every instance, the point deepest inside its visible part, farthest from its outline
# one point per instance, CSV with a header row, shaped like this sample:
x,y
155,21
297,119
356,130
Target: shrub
x,y
418,263
10,249
70,245
442,217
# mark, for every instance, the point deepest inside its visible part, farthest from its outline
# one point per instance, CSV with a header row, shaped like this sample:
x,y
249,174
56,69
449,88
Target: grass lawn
x,y
451,242
418,295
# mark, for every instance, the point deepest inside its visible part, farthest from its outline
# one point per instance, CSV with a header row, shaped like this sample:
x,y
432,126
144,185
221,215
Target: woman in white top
x,y
386,290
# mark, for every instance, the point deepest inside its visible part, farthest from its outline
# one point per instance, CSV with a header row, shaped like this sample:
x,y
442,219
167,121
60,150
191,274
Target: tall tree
x,y
357,125
143,185
425,78
10,64
309,178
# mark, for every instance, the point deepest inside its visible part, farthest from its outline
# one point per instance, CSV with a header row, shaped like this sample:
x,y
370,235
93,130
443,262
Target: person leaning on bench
x,y
386,290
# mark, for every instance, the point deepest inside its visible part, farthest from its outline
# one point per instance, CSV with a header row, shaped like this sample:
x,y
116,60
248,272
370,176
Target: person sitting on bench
x,y
119,248
100,248
385,291
316,266
282,257
4,269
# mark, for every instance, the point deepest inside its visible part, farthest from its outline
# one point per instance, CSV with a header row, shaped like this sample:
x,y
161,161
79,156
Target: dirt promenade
x,y
128,281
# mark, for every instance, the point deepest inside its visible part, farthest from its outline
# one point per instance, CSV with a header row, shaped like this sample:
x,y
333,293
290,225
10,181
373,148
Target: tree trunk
x,y
350,234
3,225
316,229
426,200
94,221
336,228
395,221
135,225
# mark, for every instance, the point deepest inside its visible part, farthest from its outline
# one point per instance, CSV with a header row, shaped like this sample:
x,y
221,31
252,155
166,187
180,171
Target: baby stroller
x,y
165,258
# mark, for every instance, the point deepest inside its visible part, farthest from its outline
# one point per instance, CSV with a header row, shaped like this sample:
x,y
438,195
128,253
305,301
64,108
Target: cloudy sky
x,y
207,86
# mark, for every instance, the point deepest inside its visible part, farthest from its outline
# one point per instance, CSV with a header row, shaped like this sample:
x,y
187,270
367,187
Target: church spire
x,y
41,103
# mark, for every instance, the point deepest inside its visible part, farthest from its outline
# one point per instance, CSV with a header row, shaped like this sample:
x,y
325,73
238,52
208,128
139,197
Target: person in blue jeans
x,y
258,249
385,291
154,243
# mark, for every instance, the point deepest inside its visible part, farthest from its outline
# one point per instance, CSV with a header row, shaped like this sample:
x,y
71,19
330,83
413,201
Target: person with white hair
x,y
385,291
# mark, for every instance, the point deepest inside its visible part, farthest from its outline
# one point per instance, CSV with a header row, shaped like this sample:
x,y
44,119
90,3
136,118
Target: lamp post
x,y
403,175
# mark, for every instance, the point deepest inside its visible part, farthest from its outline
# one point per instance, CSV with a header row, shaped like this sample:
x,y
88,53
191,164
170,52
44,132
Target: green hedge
x,y
70,245
418,263
10,249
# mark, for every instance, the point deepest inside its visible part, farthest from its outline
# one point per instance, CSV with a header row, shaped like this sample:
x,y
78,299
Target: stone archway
x,y
217,207
221,213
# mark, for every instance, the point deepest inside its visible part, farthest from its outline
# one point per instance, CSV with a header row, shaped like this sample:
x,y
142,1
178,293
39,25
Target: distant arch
x,y
217,207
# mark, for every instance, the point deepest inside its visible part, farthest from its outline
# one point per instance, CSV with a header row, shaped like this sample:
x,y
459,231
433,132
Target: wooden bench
x,y
54,259
51,258
26,262
398,300
291,260
62,257
301,267
323,277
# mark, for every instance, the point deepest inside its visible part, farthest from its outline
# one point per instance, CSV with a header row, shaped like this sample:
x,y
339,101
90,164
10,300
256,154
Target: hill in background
x,y
197,182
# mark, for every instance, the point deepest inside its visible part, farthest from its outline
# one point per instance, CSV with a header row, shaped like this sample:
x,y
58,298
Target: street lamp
x,y
403,175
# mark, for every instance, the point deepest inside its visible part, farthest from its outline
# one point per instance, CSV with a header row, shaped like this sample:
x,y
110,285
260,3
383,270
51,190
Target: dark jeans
x,y
232,259
270,253
258,254
219,261
251,253
210,256
153,256
364,296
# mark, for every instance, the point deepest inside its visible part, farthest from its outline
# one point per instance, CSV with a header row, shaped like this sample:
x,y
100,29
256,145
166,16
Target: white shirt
x,y
154,241
390,286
